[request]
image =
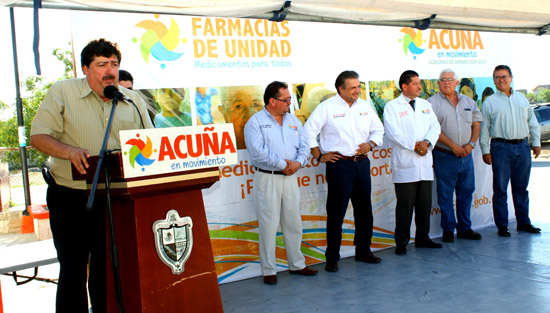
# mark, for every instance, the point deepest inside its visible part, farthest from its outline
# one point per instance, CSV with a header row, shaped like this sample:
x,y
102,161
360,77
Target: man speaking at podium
x,y
69,126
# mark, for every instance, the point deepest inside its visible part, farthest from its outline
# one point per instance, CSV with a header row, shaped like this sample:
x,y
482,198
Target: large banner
x,y
207,70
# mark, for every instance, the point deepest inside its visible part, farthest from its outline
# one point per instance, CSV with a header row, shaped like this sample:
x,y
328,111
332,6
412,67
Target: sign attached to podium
x,y
156,151
174,240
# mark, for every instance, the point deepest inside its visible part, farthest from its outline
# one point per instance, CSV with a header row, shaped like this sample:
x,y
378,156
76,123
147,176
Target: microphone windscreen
x,y
110,92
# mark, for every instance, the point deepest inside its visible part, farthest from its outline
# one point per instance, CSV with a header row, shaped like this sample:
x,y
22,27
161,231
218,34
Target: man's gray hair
x,y
445,71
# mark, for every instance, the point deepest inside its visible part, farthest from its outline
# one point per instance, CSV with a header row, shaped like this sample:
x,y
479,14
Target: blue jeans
x,y
511,162
454,174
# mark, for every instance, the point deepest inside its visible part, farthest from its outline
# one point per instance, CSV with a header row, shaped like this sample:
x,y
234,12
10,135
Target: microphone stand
x,y
113,247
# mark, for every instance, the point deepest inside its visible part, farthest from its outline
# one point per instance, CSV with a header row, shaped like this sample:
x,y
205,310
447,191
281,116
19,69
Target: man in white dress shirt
x,y
349,128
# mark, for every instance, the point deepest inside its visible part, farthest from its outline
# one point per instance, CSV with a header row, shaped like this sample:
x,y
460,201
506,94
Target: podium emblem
x,y
174,240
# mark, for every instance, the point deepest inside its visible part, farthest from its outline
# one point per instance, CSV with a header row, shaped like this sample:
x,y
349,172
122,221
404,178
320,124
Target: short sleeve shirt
x,y
456,122
77,116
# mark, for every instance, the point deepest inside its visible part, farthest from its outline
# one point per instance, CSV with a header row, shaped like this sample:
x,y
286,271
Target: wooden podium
x,y
148,284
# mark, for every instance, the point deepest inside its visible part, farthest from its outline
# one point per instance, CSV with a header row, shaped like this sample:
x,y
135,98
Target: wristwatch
x,y
429,143
473,144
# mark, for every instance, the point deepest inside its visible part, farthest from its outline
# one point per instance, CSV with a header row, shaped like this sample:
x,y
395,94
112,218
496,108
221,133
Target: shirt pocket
x,y
524,113
293,139
466,116
270,135
125,118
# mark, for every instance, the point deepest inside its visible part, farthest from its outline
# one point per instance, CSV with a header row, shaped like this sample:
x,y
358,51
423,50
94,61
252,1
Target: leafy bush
x,y
37,88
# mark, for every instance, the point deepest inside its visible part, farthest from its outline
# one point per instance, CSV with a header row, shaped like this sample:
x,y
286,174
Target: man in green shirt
x,y
69,126
507,121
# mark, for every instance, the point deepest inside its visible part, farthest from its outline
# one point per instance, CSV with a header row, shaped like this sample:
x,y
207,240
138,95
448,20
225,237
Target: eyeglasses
x,y
502,77
443,80
283,100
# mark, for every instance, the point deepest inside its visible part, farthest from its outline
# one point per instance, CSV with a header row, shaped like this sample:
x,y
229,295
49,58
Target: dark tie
x,y
412,104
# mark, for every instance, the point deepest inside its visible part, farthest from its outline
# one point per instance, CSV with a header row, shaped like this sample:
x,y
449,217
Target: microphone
x,y
111,92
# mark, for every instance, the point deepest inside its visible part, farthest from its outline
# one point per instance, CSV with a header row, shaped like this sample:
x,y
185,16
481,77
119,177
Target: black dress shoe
x,y
448,236
401,250
503,231
368,259
270,279
529,228
331,267
427,244
469,234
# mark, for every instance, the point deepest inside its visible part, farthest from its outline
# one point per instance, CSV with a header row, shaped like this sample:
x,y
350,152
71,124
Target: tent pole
x,y
20,120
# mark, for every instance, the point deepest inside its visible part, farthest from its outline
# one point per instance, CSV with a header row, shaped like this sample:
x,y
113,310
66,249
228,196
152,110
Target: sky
x,y
530,64
55,33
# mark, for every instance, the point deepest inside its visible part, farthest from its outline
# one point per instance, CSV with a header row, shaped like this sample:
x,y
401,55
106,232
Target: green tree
x,y
36,88
544,95
541,96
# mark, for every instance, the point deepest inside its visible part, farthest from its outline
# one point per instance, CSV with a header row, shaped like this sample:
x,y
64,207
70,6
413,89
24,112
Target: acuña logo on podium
x,y
140,152
177,149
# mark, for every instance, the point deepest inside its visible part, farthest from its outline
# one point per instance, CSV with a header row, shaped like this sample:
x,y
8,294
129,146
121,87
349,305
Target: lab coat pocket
x,y
405,159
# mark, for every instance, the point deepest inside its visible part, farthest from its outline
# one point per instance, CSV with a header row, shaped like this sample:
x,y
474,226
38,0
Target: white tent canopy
x,y
487,15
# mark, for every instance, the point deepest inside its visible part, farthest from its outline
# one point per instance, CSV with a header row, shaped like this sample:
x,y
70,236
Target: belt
x,y
510,141
443,150
269,172
355,158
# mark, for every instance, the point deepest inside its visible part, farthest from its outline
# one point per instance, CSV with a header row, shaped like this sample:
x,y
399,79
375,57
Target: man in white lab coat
x,y
412,129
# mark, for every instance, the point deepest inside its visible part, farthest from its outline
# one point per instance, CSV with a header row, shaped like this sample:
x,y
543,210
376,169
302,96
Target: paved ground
x,y
40,296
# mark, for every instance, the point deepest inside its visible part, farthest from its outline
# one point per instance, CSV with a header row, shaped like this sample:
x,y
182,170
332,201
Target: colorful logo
x,y
160,41
412,41
140,152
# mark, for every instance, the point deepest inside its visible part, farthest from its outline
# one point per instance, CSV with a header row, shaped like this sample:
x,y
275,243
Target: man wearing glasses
x,y
453,163
277,150
507,121
349,128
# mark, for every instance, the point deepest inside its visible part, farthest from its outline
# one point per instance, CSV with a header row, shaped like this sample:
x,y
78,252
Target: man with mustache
x,y
459,117
69,126
412,129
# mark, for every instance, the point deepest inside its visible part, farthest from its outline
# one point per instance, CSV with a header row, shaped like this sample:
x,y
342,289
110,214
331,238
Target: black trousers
x,y
417,196
79,237
348,180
